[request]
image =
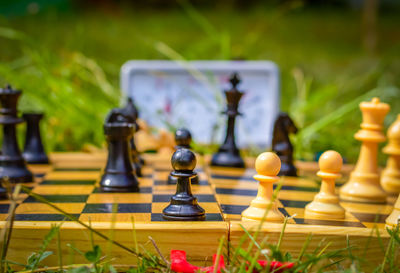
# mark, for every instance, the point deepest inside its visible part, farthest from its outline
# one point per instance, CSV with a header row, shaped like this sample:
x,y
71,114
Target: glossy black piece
x,y
3,192
281,144
12,164
119,174
33,149
183,205
228,154
131,111
183,138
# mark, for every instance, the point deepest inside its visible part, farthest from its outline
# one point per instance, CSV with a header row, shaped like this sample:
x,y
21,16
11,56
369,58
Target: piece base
x,y
287,170
35,158
184,218
328,212
224,159
119,182
117,189
258,214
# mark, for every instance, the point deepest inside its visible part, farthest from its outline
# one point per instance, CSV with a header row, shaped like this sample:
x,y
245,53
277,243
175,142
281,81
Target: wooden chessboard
x,y
71,184
235,188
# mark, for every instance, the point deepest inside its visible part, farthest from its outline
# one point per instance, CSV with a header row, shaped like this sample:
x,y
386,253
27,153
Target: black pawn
x,y
12,164
228,154
131,111
183,138
33,149
119,175
183,205
281,144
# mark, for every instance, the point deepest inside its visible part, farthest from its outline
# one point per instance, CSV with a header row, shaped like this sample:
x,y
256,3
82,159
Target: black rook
x,y
119,175
12,164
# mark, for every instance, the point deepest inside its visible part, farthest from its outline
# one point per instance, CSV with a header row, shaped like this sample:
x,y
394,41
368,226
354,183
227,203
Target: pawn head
x,y
330,162
183,137
183,160
268,164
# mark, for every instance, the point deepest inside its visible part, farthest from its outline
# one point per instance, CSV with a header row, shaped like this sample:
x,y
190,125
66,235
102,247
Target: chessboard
x,y
71,183
236,188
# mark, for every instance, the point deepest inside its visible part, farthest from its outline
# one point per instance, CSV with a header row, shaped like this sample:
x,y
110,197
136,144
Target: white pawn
x,y
267,166
326,202
390,178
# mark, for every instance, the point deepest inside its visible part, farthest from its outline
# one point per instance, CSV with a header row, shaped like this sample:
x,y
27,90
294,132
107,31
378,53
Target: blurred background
x,y
66,57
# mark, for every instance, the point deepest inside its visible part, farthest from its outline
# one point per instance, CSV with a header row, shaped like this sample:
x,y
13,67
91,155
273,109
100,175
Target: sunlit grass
x,y
68,64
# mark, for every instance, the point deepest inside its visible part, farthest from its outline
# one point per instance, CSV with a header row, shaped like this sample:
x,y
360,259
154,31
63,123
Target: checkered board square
x,y
75,190
235,188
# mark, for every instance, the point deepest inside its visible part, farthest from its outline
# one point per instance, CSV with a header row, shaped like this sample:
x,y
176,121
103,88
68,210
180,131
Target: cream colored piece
x,y
326,202
394,218
364,183
166,143
144,139
267,166
390,178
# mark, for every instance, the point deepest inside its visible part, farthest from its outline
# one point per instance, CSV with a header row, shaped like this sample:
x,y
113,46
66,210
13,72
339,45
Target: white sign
x,y
172,94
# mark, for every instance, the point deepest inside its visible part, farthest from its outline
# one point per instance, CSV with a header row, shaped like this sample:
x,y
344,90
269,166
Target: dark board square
x,y
284,212
43,217
370,217
200,198
160,182
233,209
234,177
157,217
294,203
236,191
67,198
4,208
68,182
141,190
299,188
121,208
327,222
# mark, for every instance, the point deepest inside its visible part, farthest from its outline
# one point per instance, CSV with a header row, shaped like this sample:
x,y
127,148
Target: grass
x,y
62,60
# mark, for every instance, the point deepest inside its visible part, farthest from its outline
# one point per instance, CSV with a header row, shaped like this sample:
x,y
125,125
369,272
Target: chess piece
x,y
145,140
281,143
166,143
394,218
183,138
119,175
183,205
228,154
390,177
12,164
263,207
326,202
33,149
131,111
364,184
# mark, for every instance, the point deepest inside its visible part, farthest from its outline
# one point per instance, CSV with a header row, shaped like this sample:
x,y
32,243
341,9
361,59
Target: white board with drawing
x,y
190,94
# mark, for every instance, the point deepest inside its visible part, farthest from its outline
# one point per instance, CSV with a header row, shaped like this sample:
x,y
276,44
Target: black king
x,y
228,154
